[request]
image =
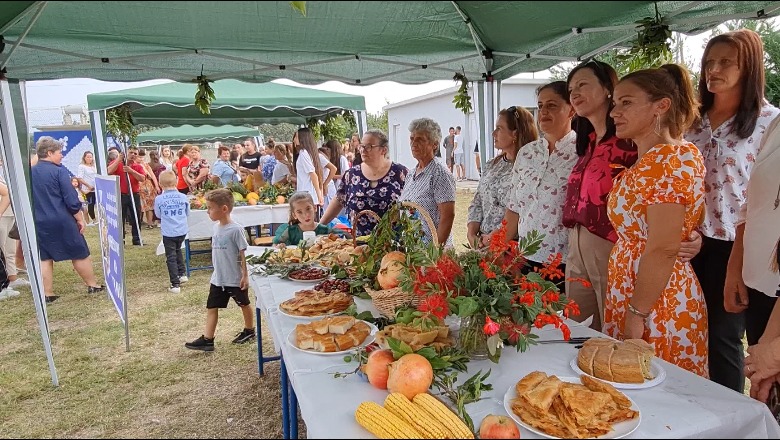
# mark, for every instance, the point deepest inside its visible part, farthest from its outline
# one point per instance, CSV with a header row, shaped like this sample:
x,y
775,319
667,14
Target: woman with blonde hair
x,y
166,158
283,164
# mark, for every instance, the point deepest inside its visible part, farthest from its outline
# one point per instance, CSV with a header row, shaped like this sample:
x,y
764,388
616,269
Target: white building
x,y
439,107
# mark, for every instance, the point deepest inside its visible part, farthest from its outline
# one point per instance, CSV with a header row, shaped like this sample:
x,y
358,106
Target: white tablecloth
x,y
201,225
683,406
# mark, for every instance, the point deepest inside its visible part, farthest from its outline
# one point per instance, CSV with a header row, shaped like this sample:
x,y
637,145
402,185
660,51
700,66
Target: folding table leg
x,y
187,256
293,411
259,337
285,401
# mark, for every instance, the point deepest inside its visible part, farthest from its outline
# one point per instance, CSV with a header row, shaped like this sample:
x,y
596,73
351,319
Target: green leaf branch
x,y
119,122
462,99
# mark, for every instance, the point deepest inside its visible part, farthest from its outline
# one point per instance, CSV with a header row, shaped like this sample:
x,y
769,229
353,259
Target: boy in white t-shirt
x,y
459,153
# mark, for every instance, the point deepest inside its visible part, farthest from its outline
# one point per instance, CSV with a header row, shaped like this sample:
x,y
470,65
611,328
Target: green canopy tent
x,y
188,133
236,102
353,42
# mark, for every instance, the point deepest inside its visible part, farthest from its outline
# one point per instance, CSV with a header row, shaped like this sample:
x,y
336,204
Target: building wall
x,y
440,108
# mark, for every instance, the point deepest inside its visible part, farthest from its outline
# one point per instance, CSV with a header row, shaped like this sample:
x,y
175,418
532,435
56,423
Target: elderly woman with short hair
x,y
59,220
430,184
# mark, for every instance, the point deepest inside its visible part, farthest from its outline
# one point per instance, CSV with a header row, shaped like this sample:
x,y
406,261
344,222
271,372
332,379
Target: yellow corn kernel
x,y
382,423
438,411
420,420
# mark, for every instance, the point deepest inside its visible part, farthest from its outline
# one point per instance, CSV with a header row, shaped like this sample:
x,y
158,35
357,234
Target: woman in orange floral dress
x,y
651,293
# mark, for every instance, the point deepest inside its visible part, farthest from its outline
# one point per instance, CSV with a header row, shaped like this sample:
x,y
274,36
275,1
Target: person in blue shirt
x,y
223,168
172,208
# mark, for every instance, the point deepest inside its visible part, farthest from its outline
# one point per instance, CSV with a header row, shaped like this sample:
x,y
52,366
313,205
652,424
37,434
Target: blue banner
x,y
109,219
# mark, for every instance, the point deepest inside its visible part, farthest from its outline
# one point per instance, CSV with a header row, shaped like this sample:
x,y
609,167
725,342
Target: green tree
x,y
280,132
377,121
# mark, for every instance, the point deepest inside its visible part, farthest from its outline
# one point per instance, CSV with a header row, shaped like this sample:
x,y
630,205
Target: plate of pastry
x,y
571,407
332,336
628,365
312,304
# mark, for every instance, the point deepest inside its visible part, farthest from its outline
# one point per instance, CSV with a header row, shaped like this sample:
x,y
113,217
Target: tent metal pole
x,y
97,121
478,43
481,118
490,115
35,17
19,17
362,122
97,60
10,149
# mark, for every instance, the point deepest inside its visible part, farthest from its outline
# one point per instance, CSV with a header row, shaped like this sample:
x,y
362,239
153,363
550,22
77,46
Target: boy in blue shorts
x,y
230,278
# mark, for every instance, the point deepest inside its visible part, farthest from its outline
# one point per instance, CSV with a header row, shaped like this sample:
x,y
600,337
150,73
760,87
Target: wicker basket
x,y
387,300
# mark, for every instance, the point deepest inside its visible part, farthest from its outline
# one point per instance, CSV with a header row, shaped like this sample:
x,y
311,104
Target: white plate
x,y
369,339
655,369
309,318
315,281
619,430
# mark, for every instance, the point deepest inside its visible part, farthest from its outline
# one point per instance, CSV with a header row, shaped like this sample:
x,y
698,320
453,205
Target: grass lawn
x,y
159,388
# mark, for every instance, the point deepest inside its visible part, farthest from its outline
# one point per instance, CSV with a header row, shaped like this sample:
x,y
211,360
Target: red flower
x,y
491,327
571,309
551,269
436,305
585,283
566,332
514,331
489,274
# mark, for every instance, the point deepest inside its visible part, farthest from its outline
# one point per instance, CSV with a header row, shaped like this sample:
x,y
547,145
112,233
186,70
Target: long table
x,y
683,406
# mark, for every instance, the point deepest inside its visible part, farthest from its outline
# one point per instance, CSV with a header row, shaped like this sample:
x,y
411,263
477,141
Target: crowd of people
x,y
639,184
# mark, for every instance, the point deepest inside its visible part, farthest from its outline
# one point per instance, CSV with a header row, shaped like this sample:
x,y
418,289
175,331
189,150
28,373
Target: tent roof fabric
x,y
352,42
188,133
236,103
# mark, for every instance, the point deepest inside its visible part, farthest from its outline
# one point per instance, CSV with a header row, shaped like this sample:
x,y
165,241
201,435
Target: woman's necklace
x,y
777,198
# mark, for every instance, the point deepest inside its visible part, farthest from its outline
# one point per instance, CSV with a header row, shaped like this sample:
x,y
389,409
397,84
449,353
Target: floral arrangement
x,y
487,289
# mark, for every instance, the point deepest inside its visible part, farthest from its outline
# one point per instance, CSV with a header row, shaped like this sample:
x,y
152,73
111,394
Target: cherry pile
x,y
308,274
331,286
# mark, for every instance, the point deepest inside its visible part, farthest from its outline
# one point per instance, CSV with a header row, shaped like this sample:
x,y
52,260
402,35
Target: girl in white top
x,y
308,173
283,162
328,187
734,116
86,175
166,158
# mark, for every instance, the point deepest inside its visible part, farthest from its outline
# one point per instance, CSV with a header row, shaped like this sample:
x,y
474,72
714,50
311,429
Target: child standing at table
x,y
230,278
302,215
172,208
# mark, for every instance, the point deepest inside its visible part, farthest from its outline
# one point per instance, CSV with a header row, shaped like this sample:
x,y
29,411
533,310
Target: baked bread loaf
x,y
616,361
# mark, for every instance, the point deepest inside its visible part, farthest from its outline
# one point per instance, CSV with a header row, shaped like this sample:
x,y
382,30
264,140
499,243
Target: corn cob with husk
x,y
420,420
383,423
438,411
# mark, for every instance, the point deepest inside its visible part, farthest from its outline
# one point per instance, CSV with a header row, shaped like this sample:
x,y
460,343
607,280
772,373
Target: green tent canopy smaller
x,y
202,133
236,102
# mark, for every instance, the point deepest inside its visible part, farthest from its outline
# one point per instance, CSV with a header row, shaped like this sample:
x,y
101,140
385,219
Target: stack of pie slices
x,y
316,303
332,334
569,410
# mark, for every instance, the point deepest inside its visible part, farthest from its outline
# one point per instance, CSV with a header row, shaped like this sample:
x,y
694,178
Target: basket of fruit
x,y
394,245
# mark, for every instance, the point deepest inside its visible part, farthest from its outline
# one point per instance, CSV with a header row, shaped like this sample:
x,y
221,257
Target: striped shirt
x,y
430,187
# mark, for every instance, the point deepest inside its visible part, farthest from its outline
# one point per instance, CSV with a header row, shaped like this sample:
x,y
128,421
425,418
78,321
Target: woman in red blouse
x,y
181,169
602,157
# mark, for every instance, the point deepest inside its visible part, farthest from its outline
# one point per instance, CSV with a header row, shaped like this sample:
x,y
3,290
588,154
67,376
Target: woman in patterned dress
x,y
652,294
515,127
734,117
372,185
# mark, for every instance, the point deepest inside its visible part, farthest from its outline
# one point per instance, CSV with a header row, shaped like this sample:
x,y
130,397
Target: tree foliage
x,y
280,132
377,121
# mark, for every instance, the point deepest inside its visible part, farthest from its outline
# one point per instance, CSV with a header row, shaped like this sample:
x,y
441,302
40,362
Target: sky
x,y
58,93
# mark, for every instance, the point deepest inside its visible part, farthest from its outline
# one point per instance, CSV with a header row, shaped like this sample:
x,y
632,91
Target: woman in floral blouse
x,y
734,116
540,176
515,127
372,185
198,169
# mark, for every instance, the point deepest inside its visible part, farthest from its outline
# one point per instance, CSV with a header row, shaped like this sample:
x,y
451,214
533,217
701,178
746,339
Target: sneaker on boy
x,y
183,279
244,335
202,344
174,289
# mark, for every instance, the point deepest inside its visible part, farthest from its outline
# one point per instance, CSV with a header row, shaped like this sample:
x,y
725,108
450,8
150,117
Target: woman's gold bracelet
x,y
636,312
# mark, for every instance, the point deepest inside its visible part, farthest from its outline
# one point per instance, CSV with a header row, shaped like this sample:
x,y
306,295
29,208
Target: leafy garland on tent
x,y
299,6
462,99
205,94
119,122
652,46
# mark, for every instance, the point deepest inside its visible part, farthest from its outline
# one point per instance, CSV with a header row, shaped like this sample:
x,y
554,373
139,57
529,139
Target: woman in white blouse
x,y
283,163
734,116
310,175
540,175
166,158
753,266
515,127
86,175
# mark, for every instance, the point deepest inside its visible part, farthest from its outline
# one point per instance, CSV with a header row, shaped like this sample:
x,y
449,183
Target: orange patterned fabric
x,y
677,325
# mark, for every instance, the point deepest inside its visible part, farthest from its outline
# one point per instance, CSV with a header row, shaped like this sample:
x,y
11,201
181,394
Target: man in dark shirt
x,y
136,175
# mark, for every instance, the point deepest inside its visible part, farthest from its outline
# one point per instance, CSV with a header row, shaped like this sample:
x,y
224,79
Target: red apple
x,y
498,427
